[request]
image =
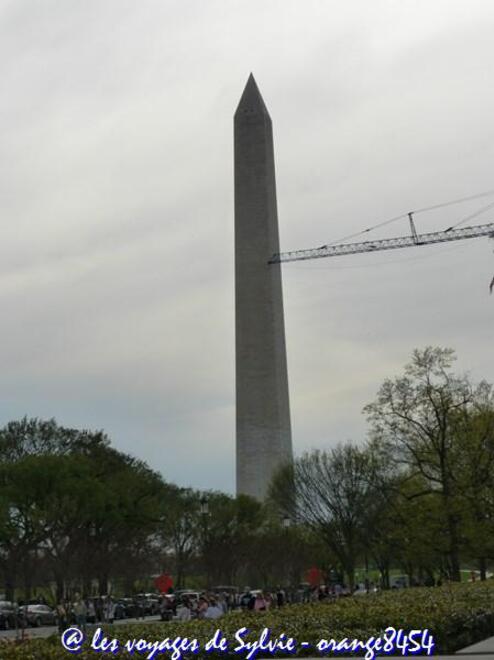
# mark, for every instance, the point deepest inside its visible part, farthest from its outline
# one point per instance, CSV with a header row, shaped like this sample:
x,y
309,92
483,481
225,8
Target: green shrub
x,y
456,615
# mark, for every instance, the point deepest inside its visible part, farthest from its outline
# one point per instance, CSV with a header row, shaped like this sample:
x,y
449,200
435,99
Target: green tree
x,y
334,494
474,429
68,496
181,530
228,532
416,418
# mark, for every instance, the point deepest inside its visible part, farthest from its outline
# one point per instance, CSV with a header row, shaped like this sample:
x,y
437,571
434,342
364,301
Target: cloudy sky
x,y
116,200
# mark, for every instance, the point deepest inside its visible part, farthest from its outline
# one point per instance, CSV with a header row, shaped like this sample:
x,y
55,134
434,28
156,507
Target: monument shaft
x,y
262,403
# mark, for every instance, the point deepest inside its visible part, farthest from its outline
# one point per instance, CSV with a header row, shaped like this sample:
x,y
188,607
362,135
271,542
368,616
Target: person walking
x,y
109,610
91,611
141,607
80,611
260,603
245,599
213,611
183,611
202,607
61,617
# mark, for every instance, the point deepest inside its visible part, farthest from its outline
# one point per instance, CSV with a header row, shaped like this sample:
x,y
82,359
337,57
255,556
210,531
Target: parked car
x,y
154,602
150,603
121,609
39,615
8,614
125,608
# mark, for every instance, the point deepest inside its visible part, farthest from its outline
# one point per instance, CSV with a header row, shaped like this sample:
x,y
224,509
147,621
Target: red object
x,y
163,583
314,576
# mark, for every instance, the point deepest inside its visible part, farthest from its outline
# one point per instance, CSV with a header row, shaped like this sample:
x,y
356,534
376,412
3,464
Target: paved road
x,y
46,631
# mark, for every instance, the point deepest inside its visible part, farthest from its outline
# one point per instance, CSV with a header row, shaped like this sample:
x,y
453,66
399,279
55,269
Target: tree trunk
x,y
103,584
454,554
350,571
383,566
483,568
129,585
384,578
10,587
179,579
60,588
28,580
180,570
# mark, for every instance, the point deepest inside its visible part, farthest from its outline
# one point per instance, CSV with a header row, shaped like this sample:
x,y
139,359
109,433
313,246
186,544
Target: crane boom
x,y
414,240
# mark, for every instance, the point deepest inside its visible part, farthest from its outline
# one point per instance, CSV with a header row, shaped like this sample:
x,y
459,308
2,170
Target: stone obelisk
x,y
263,413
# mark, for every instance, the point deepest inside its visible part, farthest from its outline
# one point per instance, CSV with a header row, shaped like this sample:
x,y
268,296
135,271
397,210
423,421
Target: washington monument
x,y
264,438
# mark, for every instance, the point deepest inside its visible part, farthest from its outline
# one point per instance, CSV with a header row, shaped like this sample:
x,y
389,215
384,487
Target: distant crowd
x,y
182,605
213,606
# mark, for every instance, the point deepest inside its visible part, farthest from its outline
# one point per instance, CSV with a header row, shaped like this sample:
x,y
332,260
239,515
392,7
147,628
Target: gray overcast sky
x,y
116,198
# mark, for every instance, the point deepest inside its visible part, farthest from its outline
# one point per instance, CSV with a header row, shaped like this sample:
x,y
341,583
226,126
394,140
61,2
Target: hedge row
x,y
456,616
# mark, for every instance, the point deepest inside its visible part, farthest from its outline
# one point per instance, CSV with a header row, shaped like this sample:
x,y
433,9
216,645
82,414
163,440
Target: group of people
x,y
333,591
213,606
208,606
260,601
81,611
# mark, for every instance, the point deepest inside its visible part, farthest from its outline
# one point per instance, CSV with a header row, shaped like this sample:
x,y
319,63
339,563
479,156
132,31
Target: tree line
x,y
78,515
419,494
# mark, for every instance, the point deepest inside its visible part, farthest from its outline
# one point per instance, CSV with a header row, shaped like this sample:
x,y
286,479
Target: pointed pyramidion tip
x,y
251,101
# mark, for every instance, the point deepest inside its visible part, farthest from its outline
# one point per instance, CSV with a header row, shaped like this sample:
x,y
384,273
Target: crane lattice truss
x,y
414,240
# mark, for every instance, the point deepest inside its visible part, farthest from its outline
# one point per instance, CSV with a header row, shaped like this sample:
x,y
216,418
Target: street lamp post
x,y
204,511
286,524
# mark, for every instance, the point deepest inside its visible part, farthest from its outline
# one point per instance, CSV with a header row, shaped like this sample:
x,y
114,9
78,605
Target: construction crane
x,y
413,240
